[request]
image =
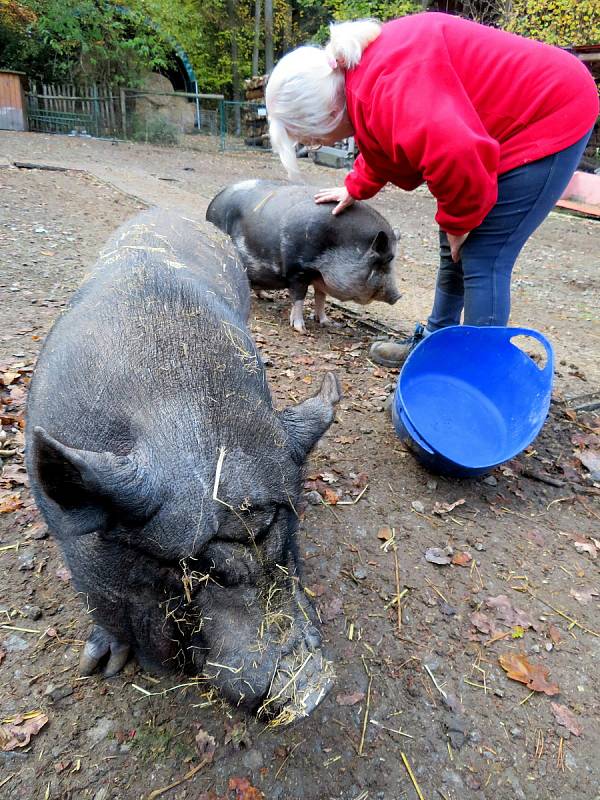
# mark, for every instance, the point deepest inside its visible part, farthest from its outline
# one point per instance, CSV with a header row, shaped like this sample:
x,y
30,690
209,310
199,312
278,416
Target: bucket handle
x,y
548,370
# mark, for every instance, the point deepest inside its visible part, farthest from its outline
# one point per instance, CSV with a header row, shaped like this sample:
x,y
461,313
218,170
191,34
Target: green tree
x,y
83,40
560,22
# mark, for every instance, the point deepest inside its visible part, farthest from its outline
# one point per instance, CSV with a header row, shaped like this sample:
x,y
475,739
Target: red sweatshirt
x,y
440,99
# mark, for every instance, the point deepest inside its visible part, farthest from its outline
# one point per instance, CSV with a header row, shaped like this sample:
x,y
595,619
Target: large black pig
x,y
171,483
286,240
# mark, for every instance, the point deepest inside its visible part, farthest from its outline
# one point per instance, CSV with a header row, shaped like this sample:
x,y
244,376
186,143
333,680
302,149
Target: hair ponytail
x,y
348,40
285,147
305,95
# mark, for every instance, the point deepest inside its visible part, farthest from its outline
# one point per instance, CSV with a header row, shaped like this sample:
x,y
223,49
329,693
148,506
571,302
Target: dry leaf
x,y
328,477
462,559
244,790
584,596
9,377
330,496
64,574
583,547
329,612
14,473
446,508
483,623
2,655
10,503
385,533
359,481
237,734
564,716
554,634
205,745
435,555
19,731
591,461
534,676
349,699
507,614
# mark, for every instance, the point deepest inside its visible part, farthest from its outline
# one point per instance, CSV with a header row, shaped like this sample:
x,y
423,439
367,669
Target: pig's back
x,y
161,323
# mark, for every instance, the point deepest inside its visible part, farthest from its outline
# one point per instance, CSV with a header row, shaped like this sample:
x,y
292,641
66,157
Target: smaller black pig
x,y
286,240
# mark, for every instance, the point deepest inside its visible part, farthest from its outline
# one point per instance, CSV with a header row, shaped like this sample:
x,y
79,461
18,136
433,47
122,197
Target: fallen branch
x,y
186,777
534,475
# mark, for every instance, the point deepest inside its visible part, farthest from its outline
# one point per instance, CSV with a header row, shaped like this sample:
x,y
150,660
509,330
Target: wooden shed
x,y
13,105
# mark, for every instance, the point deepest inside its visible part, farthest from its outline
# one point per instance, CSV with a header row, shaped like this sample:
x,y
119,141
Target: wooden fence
x,y
96,109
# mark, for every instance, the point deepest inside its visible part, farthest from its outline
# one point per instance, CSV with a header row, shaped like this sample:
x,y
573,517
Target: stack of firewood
x,y
255,88
254,115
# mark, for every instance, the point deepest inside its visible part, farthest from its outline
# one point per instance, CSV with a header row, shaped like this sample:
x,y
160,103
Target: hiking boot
x,y
394,354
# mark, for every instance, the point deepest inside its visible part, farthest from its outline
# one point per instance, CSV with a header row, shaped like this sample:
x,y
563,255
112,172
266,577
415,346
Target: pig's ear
x,y
381,243
308,421
90,484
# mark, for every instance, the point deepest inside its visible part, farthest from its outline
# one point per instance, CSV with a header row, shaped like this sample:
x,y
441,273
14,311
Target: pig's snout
x,y
391,296
302,680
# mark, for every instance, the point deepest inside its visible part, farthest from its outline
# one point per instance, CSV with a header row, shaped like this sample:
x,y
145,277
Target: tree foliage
x,y
95,40
116,40
560,22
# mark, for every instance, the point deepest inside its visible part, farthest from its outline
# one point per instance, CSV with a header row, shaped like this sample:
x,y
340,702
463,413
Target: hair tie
x,y
332,62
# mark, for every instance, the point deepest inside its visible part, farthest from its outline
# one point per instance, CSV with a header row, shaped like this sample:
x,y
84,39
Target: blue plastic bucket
x,y
468,398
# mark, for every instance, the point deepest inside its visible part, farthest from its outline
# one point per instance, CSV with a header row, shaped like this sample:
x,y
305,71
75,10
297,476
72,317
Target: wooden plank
x,y
585,209
113,111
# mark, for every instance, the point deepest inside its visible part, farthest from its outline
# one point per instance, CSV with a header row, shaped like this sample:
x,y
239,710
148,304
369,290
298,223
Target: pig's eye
x,y
383,261
247,522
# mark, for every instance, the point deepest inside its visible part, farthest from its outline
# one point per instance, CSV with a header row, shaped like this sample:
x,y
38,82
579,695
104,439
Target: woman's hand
x,y
456,242
339,195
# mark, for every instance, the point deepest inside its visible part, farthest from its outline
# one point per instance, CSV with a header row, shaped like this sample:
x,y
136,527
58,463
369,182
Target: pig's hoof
x,y
99,645
260,295
298,325
323,319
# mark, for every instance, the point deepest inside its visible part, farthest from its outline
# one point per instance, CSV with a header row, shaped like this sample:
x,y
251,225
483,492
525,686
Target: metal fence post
x,y
222,124
123,111
198,118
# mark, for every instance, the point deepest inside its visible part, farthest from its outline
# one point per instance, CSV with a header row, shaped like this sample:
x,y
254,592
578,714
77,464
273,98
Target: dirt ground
x,y
419,693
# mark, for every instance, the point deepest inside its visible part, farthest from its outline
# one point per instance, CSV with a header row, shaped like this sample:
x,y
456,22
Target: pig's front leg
x,y
298,293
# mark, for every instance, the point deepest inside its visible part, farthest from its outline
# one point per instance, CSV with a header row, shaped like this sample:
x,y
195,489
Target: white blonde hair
x,y
305,94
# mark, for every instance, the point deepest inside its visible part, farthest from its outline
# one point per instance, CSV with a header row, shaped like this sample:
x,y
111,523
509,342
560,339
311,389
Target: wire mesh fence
x,y
155,117
243,125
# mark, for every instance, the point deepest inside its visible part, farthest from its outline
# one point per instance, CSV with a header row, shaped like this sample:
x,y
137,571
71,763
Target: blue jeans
x,y
480,281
